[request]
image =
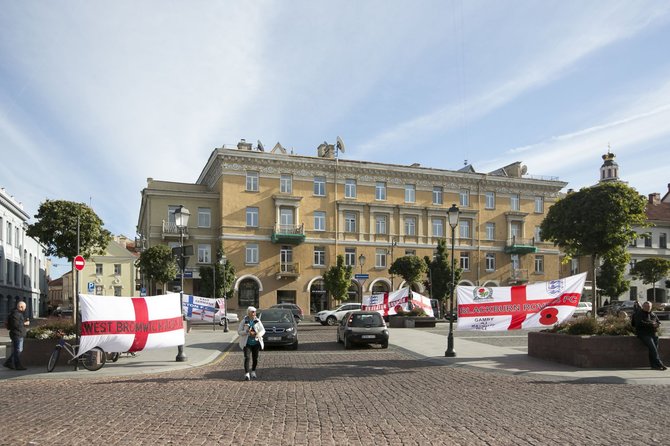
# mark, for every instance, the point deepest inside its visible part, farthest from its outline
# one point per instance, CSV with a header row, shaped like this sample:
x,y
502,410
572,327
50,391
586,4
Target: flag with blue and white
x,y
199,308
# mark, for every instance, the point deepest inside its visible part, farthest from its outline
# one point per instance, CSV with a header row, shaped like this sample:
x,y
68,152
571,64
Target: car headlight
x,y
289,330
386,332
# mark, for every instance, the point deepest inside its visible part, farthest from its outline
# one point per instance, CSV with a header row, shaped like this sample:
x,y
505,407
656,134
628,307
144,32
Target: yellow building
x,y
284,218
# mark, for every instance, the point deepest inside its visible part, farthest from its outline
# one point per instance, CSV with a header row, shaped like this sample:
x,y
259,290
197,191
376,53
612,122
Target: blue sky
x,y
97,96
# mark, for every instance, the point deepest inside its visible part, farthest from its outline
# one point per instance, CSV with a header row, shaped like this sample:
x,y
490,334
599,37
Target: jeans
x,y
251,350
14,359
651,342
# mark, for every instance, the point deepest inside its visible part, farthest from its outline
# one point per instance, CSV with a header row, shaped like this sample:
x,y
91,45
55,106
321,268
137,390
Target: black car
x,y
295,309
362,327
281,328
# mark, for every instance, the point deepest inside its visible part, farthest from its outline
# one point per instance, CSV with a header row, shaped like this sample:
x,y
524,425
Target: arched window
x,y
248,294
318,298
380,287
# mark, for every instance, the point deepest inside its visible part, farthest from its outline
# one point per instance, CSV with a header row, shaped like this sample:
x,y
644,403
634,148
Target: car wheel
x,y
588,314
347,343
332,320
385,344
323,323
339,341
294,346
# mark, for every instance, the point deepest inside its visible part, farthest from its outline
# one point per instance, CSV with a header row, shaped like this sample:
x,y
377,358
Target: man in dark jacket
x,y
646,324
16,324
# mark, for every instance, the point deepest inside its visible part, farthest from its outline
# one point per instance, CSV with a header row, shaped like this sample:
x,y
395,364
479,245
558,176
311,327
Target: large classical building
x,y
284,218
23,264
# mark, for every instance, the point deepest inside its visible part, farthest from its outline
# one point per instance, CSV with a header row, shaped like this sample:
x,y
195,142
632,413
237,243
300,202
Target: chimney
x,y
655,198
243,145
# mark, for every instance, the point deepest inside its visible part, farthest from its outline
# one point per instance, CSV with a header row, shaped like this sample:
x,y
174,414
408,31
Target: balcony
x,y
288,234
288,270
170,229
518,277
520,246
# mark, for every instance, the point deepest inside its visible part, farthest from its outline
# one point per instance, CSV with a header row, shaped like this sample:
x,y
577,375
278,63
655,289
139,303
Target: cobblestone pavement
x,y
325,395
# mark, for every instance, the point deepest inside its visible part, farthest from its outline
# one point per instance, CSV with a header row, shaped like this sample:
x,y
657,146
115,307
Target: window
x,y
117,269
490,200
320,186
438,195
465,261
349,188
251,253
410,225
380,224
380,258
286,184
490,262
410,193
464,229
252,181
410,252
490,231
633,243
633,293
438,227
118,291
319,256
252,217
204,217
647,241
464,197
204,253
286,218
574,266
98,269
663,240
286,259
319,221
17,239
539,264
538,234
380,191
514,202
349,222
350,256
9,234
539,205
515,229
1,229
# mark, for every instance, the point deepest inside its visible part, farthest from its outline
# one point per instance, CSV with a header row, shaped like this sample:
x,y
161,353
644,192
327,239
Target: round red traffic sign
x,y
79,263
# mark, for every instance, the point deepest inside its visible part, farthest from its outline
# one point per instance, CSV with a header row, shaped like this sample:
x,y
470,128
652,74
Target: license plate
x,y
368,336
274,338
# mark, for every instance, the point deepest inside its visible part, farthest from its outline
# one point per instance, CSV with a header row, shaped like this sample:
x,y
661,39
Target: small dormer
x,y
244,145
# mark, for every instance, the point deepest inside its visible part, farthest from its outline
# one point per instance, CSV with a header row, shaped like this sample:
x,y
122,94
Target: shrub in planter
x,y
53,330
609,326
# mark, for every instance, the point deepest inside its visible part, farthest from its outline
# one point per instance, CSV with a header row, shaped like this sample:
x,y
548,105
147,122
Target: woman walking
x,y
251,333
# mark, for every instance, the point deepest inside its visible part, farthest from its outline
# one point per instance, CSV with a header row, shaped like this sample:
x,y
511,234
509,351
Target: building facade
x,y
23,264
283,219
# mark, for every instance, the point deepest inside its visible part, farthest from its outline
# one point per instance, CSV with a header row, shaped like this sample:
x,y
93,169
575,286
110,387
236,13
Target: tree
x,y
337,279
410,268
595,221
651,270
225,277
439,272
158,264
611,278
56,228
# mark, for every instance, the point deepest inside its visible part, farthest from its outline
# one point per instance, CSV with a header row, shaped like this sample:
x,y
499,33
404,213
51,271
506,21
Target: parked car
x,y
626,307
436,308
332,317
295,309
232,319
281,328
63,311
608,309
583,309
362,327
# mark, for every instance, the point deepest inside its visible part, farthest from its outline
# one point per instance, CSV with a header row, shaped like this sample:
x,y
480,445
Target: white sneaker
x,y
247,377
253,375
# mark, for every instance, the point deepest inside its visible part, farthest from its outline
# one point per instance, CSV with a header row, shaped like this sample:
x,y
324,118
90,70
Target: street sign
x,y
361,276
79,263
91,287
143,292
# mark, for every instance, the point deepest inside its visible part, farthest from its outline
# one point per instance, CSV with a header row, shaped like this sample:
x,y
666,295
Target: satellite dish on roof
x,y
260,146
340,144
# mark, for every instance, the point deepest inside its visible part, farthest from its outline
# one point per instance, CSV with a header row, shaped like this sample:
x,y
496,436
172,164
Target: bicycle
x,y
116,355
92,360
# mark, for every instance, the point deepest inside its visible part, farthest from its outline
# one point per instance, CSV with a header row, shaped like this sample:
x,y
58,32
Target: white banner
x,y
120,324
541,304
198,308
388,304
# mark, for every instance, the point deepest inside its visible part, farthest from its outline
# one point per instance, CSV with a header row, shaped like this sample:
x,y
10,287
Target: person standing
x,y
646,325
251,333
16,324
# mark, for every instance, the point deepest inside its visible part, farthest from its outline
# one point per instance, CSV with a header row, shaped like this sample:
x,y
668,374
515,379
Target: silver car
x,y
332,317
362,327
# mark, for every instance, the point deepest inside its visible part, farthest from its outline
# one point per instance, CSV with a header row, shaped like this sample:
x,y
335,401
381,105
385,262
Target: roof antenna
x,y
465,162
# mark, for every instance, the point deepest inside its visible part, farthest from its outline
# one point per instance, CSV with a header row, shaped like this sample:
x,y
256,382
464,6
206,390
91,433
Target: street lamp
x,y
453,214
223,261
361,262
394,242
181,215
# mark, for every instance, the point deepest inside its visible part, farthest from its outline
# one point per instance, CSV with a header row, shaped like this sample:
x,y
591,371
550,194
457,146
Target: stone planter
x,y
593,351
36,352
396,321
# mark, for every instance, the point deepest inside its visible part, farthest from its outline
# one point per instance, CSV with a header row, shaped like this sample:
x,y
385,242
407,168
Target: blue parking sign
x,y
91,287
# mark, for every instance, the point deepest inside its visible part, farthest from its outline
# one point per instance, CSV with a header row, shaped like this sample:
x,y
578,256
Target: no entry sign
x,y
79,263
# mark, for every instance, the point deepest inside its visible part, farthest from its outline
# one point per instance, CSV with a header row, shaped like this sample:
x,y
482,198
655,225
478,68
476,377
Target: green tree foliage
x,y
651,270
611,278
158,264
439,272
595,221
225,277
410,268
56,228
337,279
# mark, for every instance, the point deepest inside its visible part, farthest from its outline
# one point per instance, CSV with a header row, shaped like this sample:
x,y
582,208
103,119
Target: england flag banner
x,y
130,324
541,304
199,308
388,304
222,307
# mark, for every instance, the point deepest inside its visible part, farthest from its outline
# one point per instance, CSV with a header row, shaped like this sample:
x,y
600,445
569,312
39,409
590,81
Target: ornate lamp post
x,y
223,261
181,216
361,262
453,215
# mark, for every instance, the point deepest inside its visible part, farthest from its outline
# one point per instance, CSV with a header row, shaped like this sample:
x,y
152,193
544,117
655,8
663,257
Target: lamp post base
x,y
450,353
181,357
225,325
